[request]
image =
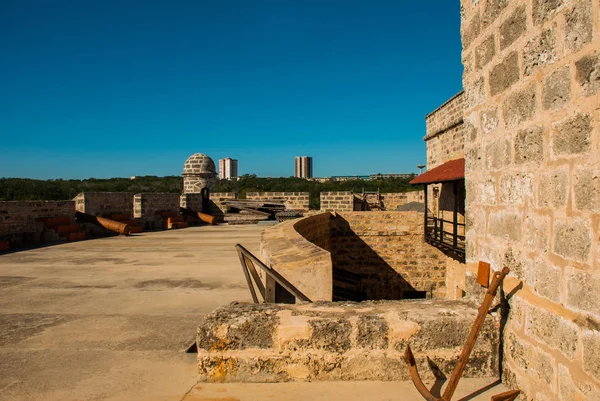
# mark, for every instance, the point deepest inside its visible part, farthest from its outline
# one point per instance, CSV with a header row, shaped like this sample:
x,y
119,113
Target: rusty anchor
x,y
466,352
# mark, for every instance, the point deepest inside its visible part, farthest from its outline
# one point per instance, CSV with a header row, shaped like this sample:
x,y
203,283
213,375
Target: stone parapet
x,y
383,251
333,341
303,263
191,201
387,250
216,202
292,200
146,205
104,204
337,201
19,217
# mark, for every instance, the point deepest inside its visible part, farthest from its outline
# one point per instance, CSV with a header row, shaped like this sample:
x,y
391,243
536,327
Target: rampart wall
x,y
104,204
383,252
18,218
216,202
387,251
532,98
191,201
292,200
348,201
337,201
445,137
146,205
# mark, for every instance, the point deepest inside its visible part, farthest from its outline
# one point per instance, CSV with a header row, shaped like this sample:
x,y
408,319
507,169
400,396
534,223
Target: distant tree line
x,y
30,189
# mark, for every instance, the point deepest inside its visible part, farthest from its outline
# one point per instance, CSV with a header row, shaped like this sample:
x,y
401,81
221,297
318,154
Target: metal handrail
x,y
248,260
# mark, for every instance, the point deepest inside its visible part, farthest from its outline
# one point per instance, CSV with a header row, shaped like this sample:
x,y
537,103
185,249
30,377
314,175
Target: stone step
x,y
341,341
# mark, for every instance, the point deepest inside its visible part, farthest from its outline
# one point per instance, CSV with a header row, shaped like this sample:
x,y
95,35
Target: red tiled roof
x,y
450,171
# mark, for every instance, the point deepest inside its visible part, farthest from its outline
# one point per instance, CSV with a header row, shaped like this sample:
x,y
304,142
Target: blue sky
x,y
119,88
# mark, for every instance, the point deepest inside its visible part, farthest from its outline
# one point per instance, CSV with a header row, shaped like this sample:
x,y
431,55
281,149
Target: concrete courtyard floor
x,y
111,318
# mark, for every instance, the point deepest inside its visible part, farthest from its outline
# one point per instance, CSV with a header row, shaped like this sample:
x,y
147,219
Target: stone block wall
x,y
316,229
388,251
392,200
532,98
104,204
444,132
359,341
191,201
293,200
337,201
216,202
384,251
19,217
147,204
303,263
348,201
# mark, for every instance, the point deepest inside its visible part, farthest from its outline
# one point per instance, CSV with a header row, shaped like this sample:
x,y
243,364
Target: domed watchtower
x,y
198,172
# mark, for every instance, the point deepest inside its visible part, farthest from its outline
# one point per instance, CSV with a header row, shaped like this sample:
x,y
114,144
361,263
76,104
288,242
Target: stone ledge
x,y
301,262
340,341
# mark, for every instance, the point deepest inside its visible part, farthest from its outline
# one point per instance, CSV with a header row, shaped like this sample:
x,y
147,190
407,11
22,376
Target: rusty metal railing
x,y
248,262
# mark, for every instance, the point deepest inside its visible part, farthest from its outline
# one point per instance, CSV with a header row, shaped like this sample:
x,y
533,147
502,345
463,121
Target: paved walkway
x,y
468,390
110,318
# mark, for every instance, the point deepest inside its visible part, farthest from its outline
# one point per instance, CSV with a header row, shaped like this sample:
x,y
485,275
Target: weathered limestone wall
x,y
191,201
337,201
360,341
345,201
216,201
444,132
306,265
384,252
388,251
147,204
104,203
391,201
293,200
19,217
316,229
532,94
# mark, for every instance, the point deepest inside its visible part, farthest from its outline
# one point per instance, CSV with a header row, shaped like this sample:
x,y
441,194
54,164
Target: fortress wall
x,y
532,100
292,200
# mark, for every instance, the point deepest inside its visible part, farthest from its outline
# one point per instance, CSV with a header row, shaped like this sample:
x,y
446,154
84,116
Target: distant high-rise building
x,y
228,169
303,167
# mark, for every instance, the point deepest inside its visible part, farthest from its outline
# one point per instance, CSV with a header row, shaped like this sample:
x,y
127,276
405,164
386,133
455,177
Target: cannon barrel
x,y
207,218
111,225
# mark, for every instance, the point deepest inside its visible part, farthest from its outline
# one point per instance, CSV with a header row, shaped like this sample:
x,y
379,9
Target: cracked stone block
x,y
579,25
539,52
543,10
470,31
572,136
551,329
485,52
493,8
519,106
572,239
581,287
588,73
489,120
504,74
513,27
556,90
529,145
586,189
553,189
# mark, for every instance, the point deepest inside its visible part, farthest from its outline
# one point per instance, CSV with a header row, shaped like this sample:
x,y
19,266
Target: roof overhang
x,y
452,170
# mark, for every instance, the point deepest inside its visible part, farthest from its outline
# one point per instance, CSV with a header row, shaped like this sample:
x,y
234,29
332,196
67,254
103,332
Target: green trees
x,y
29,189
